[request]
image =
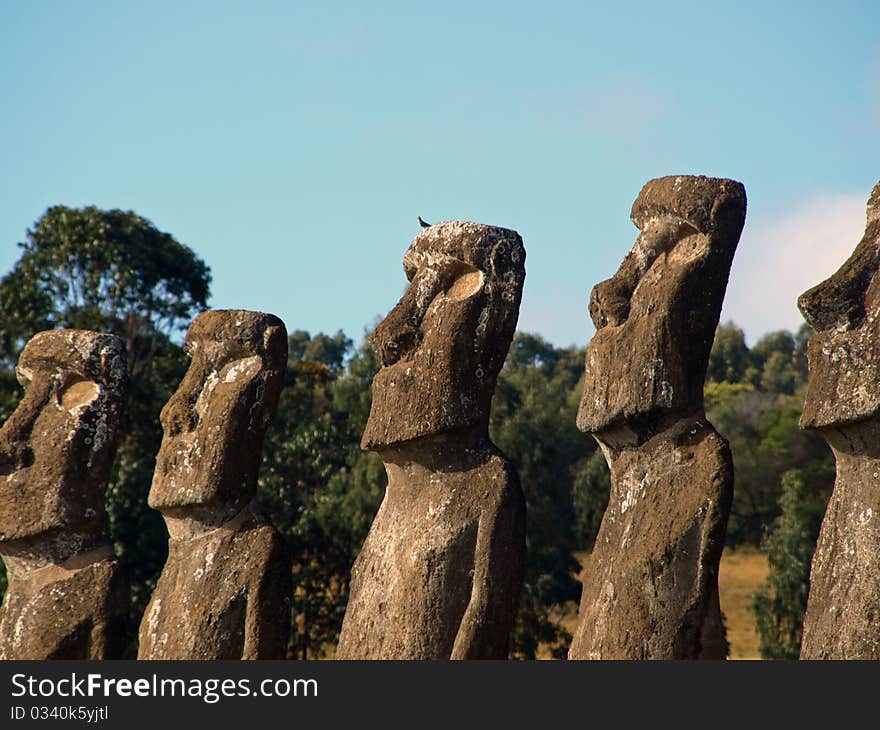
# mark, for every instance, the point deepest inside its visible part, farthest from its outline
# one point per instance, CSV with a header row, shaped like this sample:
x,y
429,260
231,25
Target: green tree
x,y
103,270
112,271
319,488
774,365
799,357
778,374
329,350
780,341
779,606
533,423
755,403
784,474
590,489
729,358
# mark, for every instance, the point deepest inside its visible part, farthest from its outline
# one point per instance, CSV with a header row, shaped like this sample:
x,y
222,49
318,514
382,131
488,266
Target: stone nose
x,y
15,435
609,303
399,335
839,301
15,454
178,416
820,311
179,413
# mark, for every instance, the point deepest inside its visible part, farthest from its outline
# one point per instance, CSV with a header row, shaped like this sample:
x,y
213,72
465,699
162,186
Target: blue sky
x,y
293,144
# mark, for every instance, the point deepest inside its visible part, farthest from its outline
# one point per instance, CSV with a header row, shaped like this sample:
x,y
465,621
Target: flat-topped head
x,y
215,423
442,346
57,448
656,317
844,351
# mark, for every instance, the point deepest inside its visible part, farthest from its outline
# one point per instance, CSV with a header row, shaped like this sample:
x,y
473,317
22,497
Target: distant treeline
x,y
112,271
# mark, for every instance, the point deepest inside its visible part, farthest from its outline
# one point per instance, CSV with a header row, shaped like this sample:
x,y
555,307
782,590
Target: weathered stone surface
x,y
843,403
224,592
651,584
439,573
656,317
67,598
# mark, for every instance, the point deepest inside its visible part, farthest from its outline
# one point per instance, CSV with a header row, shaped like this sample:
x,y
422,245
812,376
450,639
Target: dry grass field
x,y
741,573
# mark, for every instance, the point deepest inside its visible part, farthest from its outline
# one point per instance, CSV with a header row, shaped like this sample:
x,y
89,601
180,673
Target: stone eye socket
x,y
466,282
456,281
78,393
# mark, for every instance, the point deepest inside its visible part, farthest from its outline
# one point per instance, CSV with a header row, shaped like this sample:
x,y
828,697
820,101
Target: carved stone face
x,y
656,317
844,352
443,344
214,424
57,448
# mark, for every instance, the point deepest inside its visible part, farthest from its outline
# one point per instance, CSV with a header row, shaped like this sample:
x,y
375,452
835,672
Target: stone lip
x,y
844,310
215,422
442,346
656,318
57,448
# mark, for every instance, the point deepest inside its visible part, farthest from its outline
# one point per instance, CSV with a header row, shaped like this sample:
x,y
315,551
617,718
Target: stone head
x,y
442,346
656,317
844,351
215,423
57,448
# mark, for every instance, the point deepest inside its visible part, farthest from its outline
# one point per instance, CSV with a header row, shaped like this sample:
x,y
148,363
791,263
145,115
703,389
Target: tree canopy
x,y
108,270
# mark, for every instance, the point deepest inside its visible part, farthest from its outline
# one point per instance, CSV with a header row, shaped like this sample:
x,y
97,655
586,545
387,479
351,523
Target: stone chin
x,y
638,373
842,386
648,386
179,480
16,523
411,402
202,472
53,494
55,517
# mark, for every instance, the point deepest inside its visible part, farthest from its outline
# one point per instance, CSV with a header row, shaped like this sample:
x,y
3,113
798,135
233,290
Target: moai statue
x,y
843,404
439,574
224,592
651,584
67,597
